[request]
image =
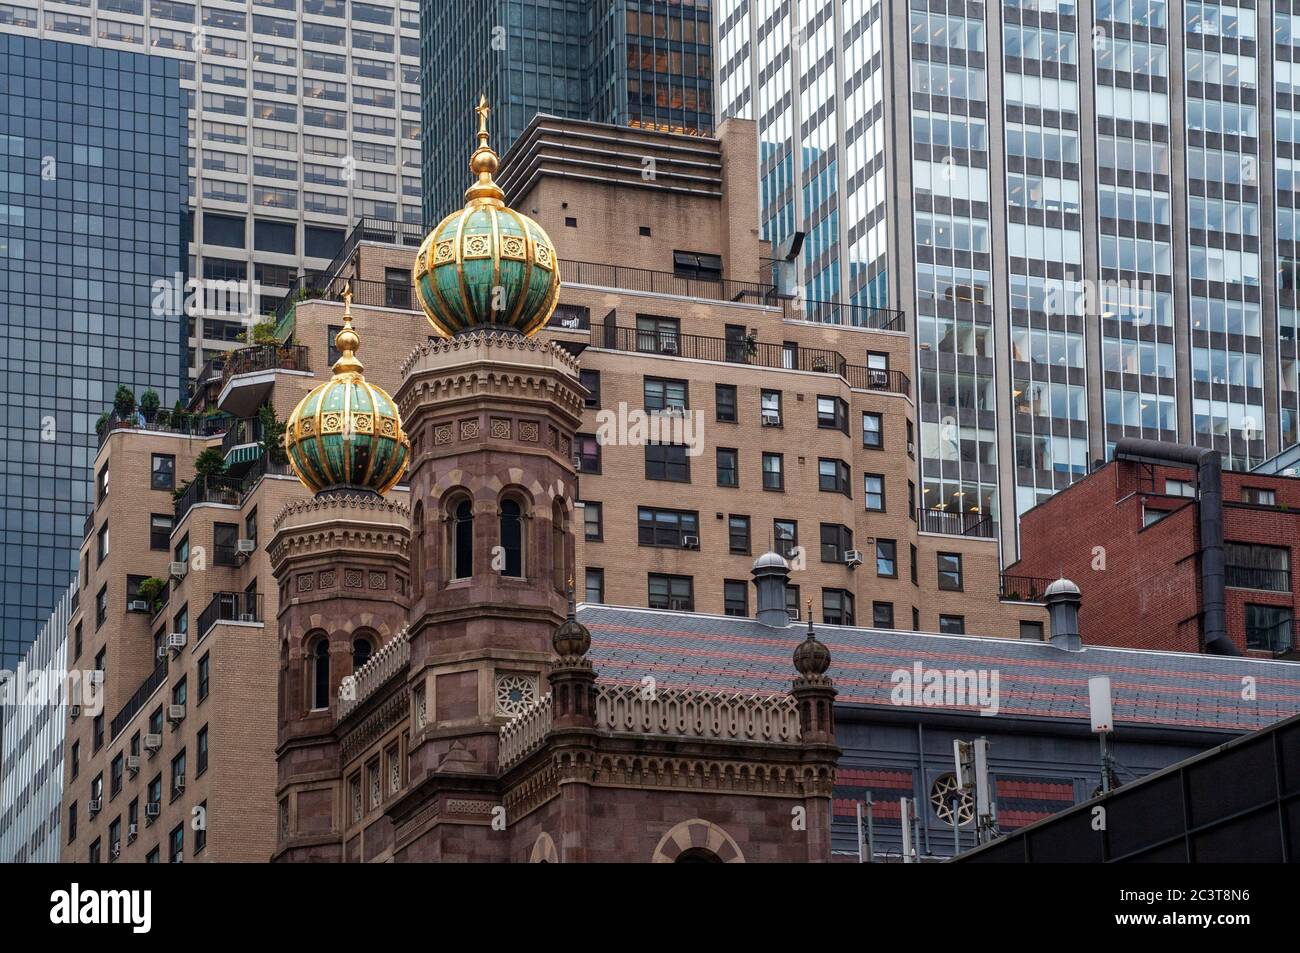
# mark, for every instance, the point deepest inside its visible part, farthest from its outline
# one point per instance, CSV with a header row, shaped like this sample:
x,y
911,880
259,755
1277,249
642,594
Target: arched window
x,y
512,538
697,855
320,674
462,541
559,527
417,552
361,651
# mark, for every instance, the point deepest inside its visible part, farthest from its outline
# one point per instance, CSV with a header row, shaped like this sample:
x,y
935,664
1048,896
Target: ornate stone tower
x,y
341,561
492,412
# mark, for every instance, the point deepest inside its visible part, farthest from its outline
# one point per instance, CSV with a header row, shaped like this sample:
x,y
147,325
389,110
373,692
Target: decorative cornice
x,y
389,541
343,502
479,340
376,725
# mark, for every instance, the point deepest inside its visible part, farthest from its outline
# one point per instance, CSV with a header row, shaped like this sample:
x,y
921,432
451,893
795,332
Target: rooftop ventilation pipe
x,y
1209,479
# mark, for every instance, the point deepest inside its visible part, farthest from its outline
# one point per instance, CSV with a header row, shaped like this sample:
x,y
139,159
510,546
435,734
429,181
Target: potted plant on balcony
x,y
149,404
751,345
287,357
261,333
123,402
272,436
102,422
152,590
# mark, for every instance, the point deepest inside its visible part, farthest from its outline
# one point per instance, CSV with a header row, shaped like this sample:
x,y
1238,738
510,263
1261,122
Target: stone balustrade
x,y
687,713
525,733
391,658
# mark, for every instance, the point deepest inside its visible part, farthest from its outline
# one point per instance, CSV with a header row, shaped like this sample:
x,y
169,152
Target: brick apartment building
x,y
1149,535
808,446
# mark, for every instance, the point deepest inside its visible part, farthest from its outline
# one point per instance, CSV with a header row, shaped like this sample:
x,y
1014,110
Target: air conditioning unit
x,y
577,462
911,449
176,641
95,805
668,346
178,783
248,617
133,764
175,714
672,411
132,833
177,570
853,558
152,809
690,542
162,652
74,712
116,851
152,743
771,418
246,546
792,613
137,605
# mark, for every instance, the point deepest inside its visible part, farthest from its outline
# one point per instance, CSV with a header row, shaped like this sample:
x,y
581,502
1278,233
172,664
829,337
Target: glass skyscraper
x,y
1088,206
92,168
626,62
303,117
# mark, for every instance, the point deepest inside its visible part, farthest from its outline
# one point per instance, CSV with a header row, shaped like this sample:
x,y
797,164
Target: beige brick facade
x,y
746,344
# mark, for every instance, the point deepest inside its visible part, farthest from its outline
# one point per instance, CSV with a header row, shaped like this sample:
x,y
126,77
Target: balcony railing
x,y
230,490
871,378
244,431
596,274
955,523
1023,588
392,657
217,489
87,526
229,607
266,357
1252,577
190,425
136,702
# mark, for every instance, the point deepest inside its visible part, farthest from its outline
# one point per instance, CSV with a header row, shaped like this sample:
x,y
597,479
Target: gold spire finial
x,y
482,109
483,163
347,341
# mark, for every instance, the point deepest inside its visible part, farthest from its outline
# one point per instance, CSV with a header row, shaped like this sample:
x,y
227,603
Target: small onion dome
x,y
346,434
571,636
486,265
1062,587
770,560
811,657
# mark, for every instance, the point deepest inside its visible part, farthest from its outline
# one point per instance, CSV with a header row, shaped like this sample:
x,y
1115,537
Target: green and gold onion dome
x,y
346,434
486,266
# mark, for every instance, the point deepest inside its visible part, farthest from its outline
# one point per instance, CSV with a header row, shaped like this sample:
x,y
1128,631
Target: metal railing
x,y
1023,588
243,431
871,378
193,425
726,350
1252,577
87,526
136,702
266,357
229,607
213,489
595,274
955,523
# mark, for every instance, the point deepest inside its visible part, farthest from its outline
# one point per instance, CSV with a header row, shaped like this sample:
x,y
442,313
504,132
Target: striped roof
x,y
1176,689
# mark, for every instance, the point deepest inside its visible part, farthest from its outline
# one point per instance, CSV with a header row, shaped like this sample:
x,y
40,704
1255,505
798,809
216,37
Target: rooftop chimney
x,y
771,575
1063,598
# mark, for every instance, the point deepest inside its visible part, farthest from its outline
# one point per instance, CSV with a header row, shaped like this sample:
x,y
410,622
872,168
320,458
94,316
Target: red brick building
x,y
1139,537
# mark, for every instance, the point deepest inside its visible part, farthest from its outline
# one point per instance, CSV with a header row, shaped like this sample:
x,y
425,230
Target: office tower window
x,y
728,466
672,592
738,536
724,398
735,597
773,471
